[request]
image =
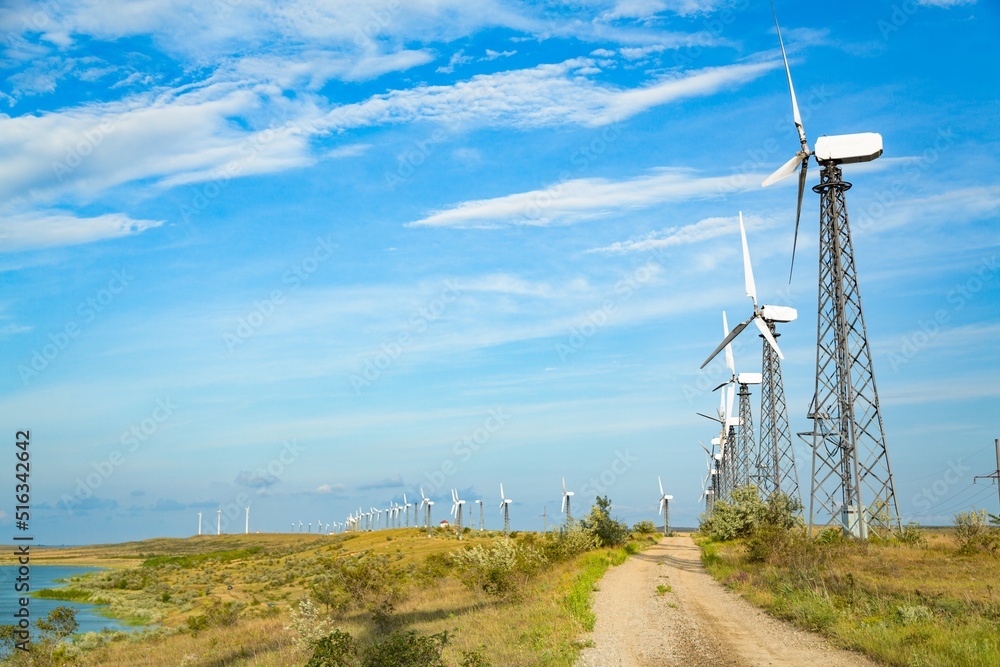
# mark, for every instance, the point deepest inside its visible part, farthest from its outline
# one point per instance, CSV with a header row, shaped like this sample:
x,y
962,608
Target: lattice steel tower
x,y
775,454
852,482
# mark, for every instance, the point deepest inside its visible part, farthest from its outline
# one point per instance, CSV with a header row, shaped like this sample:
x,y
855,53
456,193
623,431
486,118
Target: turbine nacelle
x,y
779,313
749,378
848,148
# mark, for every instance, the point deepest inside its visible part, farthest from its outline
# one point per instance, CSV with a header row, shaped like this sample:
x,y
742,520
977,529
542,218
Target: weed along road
x,y
662,608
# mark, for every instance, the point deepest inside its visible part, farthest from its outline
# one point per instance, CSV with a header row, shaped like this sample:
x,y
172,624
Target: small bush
x,y
406,649
745,512
309,627
912,534
400,649
567,544
973,533
334,650
644,528
499,570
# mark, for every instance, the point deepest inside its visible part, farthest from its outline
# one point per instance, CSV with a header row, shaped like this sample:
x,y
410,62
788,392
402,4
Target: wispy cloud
x,y
550,94
579,199
703,230
56,228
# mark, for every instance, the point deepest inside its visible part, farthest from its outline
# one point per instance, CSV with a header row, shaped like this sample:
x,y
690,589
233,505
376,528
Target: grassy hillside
x,y
228,600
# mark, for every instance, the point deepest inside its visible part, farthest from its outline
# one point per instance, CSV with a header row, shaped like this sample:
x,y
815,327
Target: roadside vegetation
x,y
922,598
393,598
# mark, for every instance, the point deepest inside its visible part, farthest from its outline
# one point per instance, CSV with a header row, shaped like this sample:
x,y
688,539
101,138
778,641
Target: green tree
x,y
606,531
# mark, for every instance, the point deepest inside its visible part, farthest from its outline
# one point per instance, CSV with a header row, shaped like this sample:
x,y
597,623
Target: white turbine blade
x,y
661,485
501,491
728,339
562,509
796,116
704,447
798,214
747,267
564,484
732,396
766,332
784,171
715,419
730,364
661,507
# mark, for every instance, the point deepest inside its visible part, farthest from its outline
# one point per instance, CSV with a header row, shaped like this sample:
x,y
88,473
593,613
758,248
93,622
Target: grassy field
x,y
227,600
911,605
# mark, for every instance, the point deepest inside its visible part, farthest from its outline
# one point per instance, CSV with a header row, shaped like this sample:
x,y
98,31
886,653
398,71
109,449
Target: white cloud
x,y
545,95
644,9
945,4
579,199
456,59
703,230
55,228
177,137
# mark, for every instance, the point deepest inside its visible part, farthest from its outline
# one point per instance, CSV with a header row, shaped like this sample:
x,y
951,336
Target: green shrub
x,y
366,581
745,512
644,528
564,545
500,570
912,534
334,650
309,627
973,533
606,531
406,649
400,649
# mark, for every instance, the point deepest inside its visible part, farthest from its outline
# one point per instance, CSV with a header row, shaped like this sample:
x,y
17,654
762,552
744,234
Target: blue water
x,y
44,576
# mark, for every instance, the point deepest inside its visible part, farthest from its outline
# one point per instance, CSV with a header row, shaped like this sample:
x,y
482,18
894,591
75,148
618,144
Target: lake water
x,y
44,576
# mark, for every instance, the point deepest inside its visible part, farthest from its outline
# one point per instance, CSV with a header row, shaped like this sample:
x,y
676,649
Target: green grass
x,y
663,589
904,605
592,567
69,594
193,560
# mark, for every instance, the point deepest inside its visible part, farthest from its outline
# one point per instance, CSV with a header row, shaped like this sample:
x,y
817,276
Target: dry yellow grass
x,y
269,574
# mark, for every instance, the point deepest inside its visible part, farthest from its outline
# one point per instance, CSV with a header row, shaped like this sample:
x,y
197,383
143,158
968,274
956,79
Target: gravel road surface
x,y
697,623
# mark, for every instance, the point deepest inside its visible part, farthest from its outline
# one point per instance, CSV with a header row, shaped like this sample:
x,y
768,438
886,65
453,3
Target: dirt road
x,y
697,623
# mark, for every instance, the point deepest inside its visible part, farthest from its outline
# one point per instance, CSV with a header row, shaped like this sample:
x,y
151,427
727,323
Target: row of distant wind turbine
x,y
737,458
372,519
852,485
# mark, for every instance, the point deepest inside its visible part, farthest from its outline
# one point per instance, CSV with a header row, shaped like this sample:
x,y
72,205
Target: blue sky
x,y
313,256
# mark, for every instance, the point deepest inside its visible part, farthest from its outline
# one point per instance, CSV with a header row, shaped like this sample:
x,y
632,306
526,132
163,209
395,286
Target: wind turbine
x,y
505,508
482,519
708,484
406,511
852,483
726,478
456,510
774,459
566,496
199,523
247,531
664,508
427,503
743,450
218,522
